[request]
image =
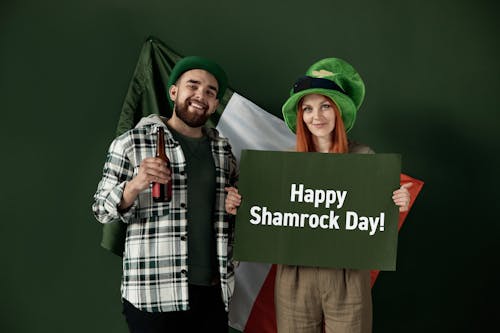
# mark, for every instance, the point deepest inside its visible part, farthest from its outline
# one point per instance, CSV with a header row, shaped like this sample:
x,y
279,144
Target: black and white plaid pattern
x,y
155,258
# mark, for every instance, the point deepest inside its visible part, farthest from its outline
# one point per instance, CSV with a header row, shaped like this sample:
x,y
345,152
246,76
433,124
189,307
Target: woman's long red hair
x,y
305,141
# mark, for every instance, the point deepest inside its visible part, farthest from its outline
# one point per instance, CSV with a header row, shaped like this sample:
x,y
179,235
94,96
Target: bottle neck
x,y
160,142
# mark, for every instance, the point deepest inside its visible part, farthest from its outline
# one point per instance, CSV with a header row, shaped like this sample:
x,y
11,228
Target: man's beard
x,y
191,119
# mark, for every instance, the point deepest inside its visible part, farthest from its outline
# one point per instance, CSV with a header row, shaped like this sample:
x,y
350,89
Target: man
x,y
177,269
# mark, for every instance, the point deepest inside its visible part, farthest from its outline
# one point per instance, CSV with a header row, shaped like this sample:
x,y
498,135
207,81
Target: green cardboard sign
x,y
314,209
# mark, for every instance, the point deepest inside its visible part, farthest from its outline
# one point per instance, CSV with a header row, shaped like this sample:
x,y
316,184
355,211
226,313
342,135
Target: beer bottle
x,y
162,192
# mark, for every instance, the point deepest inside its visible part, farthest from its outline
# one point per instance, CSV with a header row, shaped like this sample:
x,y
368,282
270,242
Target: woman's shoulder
x,y
359,148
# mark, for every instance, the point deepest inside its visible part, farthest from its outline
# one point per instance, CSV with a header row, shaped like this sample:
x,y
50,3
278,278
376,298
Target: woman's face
x,y
318,115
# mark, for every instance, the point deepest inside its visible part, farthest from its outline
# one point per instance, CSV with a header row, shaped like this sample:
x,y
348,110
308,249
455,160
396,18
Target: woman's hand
x,y
402,197
233,200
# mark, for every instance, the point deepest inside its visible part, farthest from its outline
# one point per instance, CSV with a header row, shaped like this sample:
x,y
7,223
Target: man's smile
x,y
200,106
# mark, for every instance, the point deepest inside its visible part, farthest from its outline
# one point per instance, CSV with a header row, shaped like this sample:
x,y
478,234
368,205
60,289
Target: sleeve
x,y
233,171
233,179
116,173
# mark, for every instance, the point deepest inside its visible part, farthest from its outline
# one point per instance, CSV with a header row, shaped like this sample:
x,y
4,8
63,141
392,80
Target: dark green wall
x,y
431,70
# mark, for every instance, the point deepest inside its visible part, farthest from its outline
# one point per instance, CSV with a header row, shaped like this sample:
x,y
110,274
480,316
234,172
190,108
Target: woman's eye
x,y
326,106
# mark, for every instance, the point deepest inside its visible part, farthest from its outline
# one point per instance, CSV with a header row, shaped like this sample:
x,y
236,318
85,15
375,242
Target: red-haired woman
x,y
321,110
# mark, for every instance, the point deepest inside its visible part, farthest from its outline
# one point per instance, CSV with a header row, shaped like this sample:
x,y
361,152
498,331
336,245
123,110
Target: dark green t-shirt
x,y
202,258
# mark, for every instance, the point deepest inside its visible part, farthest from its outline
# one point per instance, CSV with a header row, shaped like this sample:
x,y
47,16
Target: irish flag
x,y
248,127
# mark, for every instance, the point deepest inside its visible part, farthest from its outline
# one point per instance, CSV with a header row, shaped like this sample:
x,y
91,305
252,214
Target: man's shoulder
x,y
143,126
132,134
135,138
213,134
148,121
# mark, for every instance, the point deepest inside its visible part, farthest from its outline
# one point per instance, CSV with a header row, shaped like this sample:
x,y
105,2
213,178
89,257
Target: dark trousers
x,y
206,314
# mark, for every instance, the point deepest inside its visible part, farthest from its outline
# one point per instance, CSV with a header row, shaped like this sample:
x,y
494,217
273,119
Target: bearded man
x,y
177,264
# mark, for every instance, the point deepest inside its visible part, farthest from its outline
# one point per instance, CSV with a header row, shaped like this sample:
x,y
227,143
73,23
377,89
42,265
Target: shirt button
x,y
183,205
183,272
183,238
183,173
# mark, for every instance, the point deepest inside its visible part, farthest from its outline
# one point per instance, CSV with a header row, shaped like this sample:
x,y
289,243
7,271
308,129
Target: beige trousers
x,y
309,299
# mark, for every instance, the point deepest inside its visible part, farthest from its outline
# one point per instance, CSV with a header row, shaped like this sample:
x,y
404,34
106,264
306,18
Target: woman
x,y
321,110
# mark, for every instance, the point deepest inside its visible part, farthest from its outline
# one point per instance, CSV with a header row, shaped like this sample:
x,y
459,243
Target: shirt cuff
x,y
115,198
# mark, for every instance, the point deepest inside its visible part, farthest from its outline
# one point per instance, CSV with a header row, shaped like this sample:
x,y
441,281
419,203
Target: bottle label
x,y
156,190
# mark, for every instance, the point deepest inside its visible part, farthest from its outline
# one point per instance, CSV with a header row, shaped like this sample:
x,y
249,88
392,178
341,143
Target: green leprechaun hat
x,y
331,77
196,62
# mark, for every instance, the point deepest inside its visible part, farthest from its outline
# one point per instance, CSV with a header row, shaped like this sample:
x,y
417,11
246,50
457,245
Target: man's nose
x,y
198,94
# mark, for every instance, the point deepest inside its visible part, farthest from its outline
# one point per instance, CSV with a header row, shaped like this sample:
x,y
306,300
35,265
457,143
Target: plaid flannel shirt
x,y
155,258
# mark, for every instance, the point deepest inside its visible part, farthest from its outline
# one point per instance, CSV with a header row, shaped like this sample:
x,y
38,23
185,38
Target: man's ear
x,y
172,92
